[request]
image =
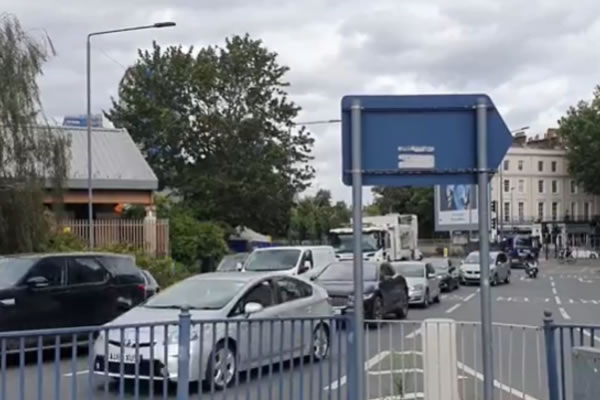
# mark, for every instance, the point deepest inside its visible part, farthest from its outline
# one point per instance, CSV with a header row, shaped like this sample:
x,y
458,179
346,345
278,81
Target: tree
x,y
417,201
216,126
579,130
31,154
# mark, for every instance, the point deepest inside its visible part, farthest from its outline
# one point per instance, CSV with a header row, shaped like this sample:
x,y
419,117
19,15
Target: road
x,y
394,350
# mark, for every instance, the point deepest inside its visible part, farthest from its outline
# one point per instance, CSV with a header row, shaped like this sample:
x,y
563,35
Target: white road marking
x,y
443,297
563,313
397,371
588,334
469,297
453,308
414,333
552,284
554,290
497,384
70,374
405,396
368,365
557,299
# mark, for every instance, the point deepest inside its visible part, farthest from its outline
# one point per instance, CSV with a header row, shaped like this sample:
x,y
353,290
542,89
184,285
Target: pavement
x,y
394,351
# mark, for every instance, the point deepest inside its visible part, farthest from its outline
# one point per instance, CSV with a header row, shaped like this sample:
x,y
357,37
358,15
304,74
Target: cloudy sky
x,y
534,58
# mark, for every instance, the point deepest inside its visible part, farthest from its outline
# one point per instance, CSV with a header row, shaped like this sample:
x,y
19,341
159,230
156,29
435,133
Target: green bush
x,y
62,242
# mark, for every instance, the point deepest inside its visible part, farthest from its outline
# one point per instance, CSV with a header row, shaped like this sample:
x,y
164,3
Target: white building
x,y
533,188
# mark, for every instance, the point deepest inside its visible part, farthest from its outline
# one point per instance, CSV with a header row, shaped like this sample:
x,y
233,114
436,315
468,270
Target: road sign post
x,y
422,141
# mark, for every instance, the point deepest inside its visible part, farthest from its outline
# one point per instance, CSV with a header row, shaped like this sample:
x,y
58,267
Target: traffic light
x,y
494,206
494,222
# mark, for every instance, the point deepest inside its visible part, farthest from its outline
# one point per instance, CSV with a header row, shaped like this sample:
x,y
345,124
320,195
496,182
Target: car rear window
x,y
123,269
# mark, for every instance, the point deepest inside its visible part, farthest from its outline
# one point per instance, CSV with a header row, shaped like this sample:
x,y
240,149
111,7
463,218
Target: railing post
x,y
350,355
551,359
183,365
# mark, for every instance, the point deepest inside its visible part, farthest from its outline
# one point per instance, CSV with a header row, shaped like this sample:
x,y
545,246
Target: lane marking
x,y
453,308
70,374
497,384
588,334
552,283
554,291
469,297
397,371
564,313
405,396
377,358
557,299
414,333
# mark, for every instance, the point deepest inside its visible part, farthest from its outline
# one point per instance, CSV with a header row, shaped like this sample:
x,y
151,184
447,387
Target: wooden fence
x,y
149,235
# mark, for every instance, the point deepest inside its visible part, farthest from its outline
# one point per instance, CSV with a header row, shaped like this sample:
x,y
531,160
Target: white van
x,y
295,260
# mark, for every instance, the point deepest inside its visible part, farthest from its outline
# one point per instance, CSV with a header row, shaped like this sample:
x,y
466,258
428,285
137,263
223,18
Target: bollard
x,y
552,370
439,359
183,362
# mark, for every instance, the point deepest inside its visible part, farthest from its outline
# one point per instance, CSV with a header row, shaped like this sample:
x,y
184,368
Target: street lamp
x,y
89,113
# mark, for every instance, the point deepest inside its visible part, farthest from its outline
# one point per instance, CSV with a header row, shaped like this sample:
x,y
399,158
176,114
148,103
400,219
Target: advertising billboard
x,y
456,207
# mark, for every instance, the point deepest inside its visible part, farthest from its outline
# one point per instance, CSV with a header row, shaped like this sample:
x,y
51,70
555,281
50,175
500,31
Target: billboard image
x,y
456,207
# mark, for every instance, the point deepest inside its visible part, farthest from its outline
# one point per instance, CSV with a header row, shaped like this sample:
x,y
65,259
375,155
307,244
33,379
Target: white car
x,y
579,252
292,260
422,280
470,270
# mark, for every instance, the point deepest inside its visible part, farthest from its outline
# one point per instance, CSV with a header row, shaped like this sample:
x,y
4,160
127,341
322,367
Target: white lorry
x,y
390,237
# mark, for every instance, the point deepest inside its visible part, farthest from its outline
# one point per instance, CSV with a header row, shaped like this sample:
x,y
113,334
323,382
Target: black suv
x,y
41,291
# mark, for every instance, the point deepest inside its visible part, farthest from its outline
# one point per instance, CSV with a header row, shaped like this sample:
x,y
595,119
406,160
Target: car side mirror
x,y
37,282
252,308
304,267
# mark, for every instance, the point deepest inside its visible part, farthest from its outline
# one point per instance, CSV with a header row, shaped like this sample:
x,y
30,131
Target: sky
x,y
534,58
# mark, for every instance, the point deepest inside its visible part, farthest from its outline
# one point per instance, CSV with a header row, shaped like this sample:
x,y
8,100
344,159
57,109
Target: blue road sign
x,y
422,140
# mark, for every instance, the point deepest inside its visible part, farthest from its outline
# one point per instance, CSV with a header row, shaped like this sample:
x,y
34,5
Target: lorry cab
x,y
294,260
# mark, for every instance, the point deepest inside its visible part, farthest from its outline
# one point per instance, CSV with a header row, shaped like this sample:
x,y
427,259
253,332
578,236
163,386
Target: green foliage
x,y
63,242
417,201
313,217
579,130
30,152
216,126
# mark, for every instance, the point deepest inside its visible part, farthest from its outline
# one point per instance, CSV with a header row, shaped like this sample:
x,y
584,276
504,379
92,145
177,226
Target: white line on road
x,y
397,371
414,333
453,308
554,291
469,297
552,283
377,358
497,384
69,374
405,396
557,299
588,334
563,313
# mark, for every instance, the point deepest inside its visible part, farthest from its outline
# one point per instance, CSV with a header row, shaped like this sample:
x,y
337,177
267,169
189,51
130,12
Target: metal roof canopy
x,y
421,140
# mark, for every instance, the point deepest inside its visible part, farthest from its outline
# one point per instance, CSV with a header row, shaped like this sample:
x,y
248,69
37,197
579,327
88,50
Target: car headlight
x,y
417,288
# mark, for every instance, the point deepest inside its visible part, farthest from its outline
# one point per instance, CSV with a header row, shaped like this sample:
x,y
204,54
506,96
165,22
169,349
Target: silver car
x,y
422,280
218,350
470,270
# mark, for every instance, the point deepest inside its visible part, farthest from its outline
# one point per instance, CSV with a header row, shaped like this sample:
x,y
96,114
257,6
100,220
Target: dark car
x,y
447,272
150,284
43,291
385,292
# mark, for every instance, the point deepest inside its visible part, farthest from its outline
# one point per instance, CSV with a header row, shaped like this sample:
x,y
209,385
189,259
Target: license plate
x,y
128,358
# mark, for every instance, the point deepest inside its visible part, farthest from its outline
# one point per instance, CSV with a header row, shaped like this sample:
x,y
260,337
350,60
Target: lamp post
x,y
89,113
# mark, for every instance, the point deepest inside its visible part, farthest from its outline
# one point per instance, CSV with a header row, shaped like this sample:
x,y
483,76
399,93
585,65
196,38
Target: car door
x,y
46,306
87,282
433,281
295,300
259,341
389,288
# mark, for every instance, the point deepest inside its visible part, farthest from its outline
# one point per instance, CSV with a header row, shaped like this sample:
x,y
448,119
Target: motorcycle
x,y
531,267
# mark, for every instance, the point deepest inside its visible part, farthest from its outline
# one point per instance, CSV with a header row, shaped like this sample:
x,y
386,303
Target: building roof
x,y
117,163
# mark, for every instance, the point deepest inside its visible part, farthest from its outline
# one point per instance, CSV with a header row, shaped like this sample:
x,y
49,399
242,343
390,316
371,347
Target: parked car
x,y
580,252
238,345
447,273
151,285
385,292
423,282
470,270
44,291
294,260
232,262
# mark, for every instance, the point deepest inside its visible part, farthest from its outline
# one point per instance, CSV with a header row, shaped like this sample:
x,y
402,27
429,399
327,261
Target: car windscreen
x,y
273,260
230,263
199,294
344,272
12,270
473,258
410,270
439,264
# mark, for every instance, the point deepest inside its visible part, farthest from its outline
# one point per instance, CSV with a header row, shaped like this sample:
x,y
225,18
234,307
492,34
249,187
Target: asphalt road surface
x,y
394,351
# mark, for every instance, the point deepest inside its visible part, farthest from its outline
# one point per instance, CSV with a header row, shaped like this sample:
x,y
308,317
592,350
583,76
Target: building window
x,y
541,211
520,165
586,210
573,210
521,186
540,166
521,210
553,166
540,186
554,186
506,165
506,212
554,211
573,186
506,185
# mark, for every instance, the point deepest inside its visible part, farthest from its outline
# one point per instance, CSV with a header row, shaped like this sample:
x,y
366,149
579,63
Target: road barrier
x,y
562,340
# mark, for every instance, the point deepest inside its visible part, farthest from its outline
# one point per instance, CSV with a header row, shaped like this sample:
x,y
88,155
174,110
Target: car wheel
x,y
320,343
507,280
426,300
377,310
403,311
437,299
494,280
222,366
592,256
